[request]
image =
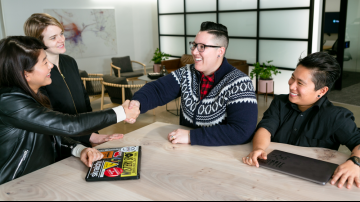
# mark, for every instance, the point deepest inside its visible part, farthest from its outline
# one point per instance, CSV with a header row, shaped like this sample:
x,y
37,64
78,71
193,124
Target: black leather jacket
x,y
28,132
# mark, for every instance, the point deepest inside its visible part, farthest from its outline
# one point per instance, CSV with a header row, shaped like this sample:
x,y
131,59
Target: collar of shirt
x,y
224,69
317,104
210,78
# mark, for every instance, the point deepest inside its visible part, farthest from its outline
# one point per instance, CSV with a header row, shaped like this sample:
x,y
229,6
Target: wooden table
x,y
179,172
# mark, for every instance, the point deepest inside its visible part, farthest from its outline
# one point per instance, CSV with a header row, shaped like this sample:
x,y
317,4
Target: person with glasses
x,y
217,100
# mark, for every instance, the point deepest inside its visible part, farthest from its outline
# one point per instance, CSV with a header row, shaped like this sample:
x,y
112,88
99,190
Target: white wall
x,y
136,26
280,81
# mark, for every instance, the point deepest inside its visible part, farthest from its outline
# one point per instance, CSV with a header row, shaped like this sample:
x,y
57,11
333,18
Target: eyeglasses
x,y
201,47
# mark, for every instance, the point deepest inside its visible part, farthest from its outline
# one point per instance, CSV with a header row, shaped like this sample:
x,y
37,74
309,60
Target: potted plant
x,y
264,75
157,58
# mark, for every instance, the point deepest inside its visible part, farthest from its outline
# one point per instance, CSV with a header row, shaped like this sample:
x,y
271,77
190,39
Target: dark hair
x,y
17,55
218,30
325,69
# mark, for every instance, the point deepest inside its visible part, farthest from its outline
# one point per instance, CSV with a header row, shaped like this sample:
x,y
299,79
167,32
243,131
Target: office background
x,y
278,30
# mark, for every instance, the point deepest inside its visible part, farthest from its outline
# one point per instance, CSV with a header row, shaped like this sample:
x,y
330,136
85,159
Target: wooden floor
x,y
161,115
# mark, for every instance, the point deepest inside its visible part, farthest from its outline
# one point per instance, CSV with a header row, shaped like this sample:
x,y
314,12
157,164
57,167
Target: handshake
x,y
132,110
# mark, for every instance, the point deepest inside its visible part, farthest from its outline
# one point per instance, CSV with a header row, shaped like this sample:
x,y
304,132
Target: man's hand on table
x,y
179,136
96,139
132,110
252,158
89,155
349,172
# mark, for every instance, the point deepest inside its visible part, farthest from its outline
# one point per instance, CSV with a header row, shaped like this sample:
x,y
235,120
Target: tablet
x,y
302,167
121,163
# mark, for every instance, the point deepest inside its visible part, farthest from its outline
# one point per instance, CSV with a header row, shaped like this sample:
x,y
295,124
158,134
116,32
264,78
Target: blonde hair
x,y
37,23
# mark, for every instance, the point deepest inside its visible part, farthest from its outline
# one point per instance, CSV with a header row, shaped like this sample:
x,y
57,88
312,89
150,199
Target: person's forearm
x,y
261,139
356,151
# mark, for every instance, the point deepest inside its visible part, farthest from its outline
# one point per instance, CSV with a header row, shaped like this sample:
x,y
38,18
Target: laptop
x,y
302,167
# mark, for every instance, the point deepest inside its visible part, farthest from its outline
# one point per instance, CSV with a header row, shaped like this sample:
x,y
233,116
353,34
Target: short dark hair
x,y
17,55
218,30
325,69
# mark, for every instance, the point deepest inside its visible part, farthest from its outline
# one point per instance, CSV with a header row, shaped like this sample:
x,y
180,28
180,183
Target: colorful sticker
x,y
109,165
107,154
118,153
130,163
96,169
113,172
128,149
116,160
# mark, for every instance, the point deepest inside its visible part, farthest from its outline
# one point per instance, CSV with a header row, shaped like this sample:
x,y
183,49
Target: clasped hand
x,y
132,110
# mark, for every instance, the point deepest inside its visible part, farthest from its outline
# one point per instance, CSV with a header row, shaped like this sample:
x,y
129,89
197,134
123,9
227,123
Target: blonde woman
x,y
66,92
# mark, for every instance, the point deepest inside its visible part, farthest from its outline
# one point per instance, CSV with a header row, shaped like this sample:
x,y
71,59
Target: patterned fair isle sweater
x,y
227,115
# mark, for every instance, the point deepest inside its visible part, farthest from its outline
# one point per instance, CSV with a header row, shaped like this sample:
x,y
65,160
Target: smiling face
x,y
302,88
54,39
208,61
40,74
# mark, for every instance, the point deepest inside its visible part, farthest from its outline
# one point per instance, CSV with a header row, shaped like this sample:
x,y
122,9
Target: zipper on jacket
x,y
21,161
68,89
54,142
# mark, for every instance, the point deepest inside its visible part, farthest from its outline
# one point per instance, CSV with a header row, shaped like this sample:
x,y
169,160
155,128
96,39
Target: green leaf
x,y
264,71
159,56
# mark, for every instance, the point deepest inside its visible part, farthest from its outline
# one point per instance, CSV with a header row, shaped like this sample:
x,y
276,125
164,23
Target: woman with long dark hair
x,y
31,134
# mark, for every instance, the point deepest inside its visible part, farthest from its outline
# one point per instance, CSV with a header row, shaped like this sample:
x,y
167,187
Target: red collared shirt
x,y
207,82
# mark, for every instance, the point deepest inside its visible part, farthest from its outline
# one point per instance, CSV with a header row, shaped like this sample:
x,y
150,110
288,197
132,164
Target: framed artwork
x,y
88,32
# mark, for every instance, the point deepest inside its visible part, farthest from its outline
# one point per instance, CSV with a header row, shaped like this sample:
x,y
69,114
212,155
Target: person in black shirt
x,y
305,117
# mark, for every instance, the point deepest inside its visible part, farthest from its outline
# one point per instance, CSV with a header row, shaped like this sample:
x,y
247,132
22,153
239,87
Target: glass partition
x,y
237,4
193,22
285,24
172,45
283,53
173,6
200,5
271,30
239,24
284,3
171,24
242,49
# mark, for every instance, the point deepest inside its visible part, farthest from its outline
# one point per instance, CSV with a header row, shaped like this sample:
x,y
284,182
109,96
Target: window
x,y
262,30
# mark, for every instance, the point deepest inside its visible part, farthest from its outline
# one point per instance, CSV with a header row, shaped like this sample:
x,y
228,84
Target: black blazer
x,y
67,94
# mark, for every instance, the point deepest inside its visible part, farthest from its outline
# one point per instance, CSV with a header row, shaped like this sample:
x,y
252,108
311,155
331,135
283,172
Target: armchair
x,y
113,85
92,84
172,65
122,67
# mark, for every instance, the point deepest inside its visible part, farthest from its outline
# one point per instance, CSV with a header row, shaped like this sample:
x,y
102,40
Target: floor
x,y
160,114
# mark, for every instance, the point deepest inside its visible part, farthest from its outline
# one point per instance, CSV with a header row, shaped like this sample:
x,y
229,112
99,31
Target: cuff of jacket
x,y
76,151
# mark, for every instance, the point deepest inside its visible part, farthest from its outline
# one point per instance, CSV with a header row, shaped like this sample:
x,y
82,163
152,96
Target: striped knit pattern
x,y
235,87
